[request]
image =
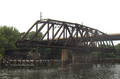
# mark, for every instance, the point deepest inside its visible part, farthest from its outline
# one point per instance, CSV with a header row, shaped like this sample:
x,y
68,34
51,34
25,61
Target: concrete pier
x,y
64,56
81,57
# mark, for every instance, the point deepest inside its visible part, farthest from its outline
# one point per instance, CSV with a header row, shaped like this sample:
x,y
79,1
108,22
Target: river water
x,y
92,72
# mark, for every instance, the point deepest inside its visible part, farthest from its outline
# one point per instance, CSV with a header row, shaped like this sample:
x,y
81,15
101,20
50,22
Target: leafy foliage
x,y
30,35
69,53
117,54
100,55
8,36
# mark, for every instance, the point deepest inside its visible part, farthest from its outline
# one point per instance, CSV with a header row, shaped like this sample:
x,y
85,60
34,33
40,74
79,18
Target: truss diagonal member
x,y
55,34
92,38
38,31
74,37
113,46
59,36
68,29
106,41
87,36
77,35
103,40
29,29
109,47
82,38
98,37
46,33
111,42
70,36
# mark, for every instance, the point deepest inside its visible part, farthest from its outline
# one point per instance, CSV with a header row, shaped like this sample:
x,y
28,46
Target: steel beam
x,y
38,31
84,36
29,30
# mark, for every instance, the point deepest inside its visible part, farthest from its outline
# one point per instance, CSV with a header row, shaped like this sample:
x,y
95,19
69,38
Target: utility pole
x,y
40,16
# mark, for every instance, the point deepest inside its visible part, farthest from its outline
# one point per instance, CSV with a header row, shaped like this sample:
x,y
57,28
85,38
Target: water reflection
x,y
78,72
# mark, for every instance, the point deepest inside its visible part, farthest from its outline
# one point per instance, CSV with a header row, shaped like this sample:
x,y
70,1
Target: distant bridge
x,y
67,35
115,36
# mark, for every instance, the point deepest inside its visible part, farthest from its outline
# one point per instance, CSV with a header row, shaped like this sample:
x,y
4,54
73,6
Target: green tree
x,y
8,36
3,42
11,34
69,53
50,53
117,53
95,55
30,35
22,33
117,48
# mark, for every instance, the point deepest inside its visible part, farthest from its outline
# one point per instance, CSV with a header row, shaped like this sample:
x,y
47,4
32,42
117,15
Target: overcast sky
x,y
103,15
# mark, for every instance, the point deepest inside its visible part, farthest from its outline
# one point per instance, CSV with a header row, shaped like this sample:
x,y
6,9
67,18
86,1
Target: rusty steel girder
x,y
67,35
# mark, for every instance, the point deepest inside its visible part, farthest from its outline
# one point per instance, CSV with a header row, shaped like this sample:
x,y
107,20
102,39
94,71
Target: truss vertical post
x,y
55,34
36,30
87,36
76,35
53,31
72,31
48,32
103,41
29,30
64,34
112,44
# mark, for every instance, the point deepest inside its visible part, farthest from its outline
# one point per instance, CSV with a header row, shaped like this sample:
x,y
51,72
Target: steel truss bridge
x,y
66,35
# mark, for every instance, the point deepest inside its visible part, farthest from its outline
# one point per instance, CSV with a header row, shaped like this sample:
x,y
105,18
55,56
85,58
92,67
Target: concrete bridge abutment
x,y
78,57
64,57
81,57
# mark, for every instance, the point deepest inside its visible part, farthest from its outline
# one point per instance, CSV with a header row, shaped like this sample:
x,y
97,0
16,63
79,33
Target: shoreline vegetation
x,y
9,35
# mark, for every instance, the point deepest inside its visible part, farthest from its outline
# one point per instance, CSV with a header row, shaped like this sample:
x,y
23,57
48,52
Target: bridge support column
x,y
64,56
81,60
79,57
